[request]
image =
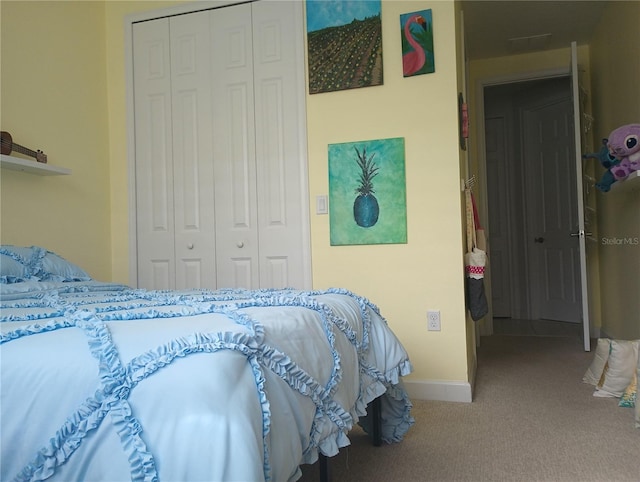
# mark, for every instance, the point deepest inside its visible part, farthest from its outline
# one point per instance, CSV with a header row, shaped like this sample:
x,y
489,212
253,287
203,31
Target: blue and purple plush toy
x,y
608,161
624,144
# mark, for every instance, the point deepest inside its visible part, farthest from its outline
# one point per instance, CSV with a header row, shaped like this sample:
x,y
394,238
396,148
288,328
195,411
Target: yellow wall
x,y
53,97
615,56
426,273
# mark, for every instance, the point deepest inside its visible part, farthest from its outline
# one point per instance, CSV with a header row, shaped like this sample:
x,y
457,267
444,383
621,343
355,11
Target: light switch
x,y
322,206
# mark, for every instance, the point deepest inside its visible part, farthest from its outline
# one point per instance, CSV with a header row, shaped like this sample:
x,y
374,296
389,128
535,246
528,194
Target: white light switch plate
x,y
322,204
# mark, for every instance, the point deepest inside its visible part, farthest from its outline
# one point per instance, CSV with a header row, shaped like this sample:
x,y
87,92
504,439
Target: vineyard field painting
x,y
367,192
345,44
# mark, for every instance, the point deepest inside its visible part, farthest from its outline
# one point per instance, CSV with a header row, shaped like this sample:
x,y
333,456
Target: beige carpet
x,y
532,419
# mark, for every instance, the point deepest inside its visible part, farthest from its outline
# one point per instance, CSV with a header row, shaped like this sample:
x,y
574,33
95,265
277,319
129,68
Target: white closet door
x,y
279,89
192,152
220,153
153,151
234,147
260,206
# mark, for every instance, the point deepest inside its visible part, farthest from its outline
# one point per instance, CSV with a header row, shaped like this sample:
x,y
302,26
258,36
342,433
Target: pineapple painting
x,y
367,192
365,208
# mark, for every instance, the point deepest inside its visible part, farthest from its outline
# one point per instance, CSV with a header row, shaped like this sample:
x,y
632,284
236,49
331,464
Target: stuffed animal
x,y
624,144
607,160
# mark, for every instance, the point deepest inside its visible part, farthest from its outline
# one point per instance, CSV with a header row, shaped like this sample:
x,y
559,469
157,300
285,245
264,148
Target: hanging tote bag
x,y
475,261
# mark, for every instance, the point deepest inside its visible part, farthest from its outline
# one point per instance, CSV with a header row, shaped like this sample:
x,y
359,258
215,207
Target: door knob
x,y
538,240
240,244
190,246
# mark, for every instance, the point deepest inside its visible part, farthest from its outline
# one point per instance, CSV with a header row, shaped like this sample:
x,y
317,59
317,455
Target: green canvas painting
x,y
367,192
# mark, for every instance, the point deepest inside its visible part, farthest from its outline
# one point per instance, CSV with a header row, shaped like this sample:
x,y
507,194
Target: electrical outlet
x,y
433,320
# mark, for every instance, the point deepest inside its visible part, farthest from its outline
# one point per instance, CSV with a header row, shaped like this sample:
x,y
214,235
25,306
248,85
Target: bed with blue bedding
x,y
103,382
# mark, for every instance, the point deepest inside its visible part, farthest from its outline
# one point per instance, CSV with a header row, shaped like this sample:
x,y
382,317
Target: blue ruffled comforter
x,y
102,382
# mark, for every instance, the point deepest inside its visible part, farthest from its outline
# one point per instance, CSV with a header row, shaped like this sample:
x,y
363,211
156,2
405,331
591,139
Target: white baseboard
x,y
443,391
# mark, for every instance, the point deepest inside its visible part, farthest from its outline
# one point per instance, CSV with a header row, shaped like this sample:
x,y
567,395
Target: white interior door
x,y
549,161
499,198
260,206
153,155
580,233
221,193
234,147
174,166
278,85
193,181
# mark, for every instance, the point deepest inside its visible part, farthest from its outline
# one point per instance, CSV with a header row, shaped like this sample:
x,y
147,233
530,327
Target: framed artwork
x,y
345,44
416,30
367,192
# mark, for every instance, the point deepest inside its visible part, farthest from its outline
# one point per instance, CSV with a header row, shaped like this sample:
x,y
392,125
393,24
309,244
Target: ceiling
x,y
490,24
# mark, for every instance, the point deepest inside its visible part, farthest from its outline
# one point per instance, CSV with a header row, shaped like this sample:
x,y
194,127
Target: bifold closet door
x,y
257,117
234,147
174,162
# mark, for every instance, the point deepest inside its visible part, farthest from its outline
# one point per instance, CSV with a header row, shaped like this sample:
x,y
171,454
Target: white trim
x,y
190,7
303,148
444,391
131,153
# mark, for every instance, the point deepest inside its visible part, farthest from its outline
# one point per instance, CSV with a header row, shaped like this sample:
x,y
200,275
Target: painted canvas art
x,y
417,43
345,44
367,192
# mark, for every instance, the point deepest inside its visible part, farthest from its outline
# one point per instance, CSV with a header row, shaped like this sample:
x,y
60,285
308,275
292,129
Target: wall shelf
x,y
631,182
32,167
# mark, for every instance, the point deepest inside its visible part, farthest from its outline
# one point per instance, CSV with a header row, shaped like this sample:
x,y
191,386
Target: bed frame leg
x,y
325,474
376,414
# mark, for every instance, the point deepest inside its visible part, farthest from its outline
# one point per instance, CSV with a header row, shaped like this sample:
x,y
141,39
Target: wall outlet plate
x,y
433,320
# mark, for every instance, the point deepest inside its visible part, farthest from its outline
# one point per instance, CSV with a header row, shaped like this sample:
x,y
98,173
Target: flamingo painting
x,y
414,57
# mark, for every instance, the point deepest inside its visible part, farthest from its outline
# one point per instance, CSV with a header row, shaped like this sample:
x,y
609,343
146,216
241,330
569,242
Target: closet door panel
x,y
153,151
278,81
234,147
192,152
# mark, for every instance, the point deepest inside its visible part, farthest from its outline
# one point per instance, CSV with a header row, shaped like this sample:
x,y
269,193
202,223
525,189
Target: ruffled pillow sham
x,y
12,270
38,263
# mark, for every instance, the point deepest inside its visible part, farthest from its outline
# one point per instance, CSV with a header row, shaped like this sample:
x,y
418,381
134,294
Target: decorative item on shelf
x,y
624,144
8,146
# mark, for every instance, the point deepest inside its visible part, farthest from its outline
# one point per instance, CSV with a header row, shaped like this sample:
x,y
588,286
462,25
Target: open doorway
x,y
532,212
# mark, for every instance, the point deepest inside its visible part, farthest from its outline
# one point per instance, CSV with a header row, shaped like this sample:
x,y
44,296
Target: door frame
x,y
486,326
192,7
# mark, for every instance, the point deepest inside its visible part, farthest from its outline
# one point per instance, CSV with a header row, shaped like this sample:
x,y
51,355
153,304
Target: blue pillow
x,y
41,264
12,270
56,268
